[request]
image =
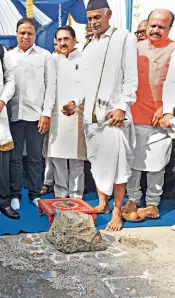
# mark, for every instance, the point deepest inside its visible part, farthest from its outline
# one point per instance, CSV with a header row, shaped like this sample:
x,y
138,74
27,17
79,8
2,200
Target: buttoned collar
x,y
33,48
72,54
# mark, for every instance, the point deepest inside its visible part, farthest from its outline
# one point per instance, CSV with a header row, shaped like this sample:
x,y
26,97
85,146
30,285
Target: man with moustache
x,y
110,83
153,145
32,106
141,31
66,144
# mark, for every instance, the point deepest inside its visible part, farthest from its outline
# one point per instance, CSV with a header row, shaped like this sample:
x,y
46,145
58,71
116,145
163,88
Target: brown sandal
x,y
149,212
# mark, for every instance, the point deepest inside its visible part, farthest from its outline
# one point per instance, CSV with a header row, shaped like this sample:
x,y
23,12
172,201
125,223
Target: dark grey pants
x,y
21,131
4,179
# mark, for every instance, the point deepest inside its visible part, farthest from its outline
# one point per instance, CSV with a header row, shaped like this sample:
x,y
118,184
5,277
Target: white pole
x,y
59,16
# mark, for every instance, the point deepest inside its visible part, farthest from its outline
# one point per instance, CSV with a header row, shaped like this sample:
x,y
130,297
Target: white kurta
x,y
109,149
66,136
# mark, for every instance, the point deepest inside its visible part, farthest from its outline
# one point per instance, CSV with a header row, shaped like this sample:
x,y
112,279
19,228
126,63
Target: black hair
x,y
171,13
26,20
66,28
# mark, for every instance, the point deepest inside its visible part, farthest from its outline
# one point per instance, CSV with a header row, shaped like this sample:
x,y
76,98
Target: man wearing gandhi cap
x,y
110,82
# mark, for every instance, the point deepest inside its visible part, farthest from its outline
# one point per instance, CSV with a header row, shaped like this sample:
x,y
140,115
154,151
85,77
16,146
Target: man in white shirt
x,y
109,90
153,144
7,88
32,106
66,145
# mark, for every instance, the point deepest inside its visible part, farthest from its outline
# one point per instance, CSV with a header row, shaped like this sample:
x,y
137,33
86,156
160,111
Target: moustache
x,y
95,26
155,34
64,47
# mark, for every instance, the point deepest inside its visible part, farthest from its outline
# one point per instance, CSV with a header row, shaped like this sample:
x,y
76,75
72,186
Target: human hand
x,y
69,109
2,105
116,118
44,124
165,121
157,117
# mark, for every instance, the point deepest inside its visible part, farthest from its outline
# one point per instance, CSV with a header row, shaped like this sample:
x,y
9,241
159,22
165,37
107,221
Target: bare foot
x,y
102,208
116,222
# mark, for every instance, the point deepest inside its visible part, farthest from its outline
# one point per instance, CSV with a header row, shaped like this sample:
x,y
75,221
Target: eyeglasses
x,y
141,32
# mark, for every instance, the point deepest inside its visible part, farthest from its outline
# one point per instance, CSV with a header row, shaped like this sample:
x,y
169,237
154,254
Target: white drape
x,y
118,8
9,16
39,16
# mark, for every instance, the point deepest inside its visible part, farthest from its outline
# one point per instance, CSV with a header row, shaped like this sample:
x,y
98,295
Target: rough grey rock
x,y
75,232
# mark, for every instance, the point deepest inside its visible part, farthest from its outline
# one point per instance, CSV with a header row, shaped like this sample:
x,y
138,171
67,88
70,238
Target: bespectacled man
x,y
141,31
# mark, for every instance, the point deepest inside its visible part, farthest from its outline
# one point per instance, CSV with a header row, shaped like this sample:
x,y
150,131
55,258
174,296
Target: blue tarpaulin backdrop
x,y
50,8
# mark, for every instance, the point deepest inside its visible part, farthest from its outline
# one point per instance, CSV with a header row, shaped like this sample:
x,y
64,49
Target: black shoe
x,y
10,212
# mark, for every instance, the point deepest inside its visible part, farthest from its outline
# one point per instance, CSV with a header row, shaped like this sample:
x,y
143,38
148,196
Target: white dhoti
x,y
69,177
152,154
110,155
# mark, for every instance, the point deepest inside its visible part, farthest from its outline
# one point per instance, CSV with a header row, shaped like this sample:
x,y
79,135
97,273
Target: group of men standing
x,y
90,116
31,97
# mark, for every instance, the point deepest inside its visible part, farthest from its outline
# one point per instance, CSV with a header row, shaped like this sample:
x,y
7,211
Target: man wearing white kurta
x,y
109,90
153,145
66,145
168,120
32,106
